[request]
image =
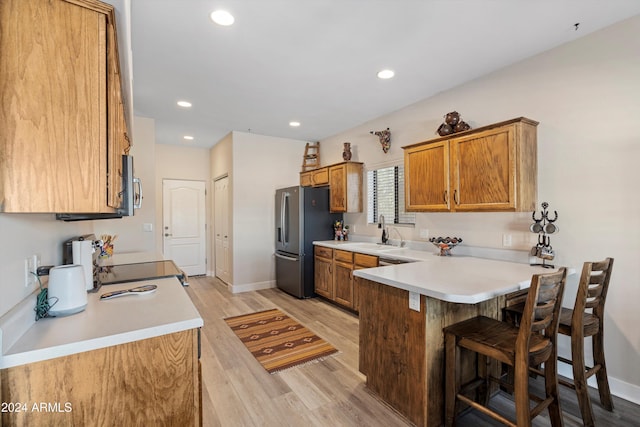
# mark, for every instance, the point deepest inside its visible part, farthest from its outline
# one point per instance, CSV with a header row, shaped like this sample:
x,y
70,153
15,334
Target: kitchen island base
x,y
154,381
402,350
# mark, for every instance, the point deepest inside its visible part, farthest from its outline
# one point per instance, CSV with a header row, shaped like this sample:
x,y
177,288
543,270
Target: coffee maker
x,y
84,251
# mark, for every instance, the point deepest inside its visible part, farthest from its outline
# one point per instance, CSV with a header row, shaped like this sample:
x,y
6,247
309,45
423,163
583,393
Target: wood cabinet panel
x,y
323,271
364,260
484,167
315,178
493,168
334,277
345,187
427,177
344,256
149,382
361,261
343,284
60,100
392,348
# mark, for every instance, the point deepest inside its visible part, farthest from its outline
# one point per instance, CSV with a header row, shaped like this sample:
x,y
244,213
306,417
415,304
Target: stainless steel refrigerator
x,y
302,216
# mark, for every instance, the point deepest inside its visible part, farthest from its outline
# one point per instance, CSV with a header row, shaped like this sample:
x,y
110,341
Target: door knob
x,y
167,234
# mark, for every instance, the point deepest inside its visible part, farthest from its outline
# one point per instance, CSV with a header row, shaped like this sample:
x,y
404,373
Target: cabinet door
x,y
343,284
323,277
320,177
53,128
338,188
484,170
306,179
427,177
361,261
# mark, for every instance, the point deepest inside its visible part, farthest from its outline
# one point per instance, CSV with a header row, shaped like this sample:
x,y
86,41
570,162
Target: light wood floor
x,y
237,391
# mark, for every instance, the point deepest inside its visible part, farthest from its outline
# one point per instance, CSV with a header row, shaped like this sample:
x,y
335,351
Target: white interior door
x,y
222,229
184,225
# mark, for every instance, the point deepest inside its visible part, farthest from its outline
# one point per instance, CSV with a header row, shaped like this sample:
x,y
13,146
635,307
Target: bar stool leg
x,y
579,378
601,374
521,393
551,388
452,379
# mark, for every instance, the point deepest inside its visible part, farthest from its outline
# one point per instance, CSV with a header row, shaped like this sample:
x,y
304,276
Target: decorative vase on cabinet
x,y
346,154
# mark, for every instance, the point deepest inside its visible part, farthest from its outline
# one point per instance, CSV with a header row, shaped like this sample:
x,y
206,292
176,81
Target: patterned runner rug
x,y
277,341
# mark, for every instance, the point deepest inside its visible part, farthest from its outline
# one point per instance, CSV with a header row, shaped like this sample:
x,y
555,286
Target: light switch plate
x,y
414,301
147,226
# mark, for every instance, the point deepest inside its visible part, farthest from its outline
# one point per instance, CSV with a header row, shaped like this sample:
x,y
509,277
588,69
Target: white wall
x,y
585,95
260,165
182,163
23,235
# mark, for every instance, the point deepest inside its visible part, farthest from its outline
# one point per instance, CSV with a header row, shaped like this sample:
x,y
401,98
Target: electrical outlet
x,y
424,233
31,264
414,301
506,240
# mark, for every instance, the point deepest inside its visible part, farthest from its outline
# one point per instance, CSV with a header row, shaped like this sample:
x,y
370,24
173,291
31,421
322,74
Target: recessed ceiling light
x,y
222,17
386,74
294,124
188,137
185,104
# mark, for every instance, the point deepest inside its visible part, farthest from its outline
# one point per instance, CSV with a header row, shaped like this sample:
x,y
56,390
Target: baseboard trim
x,y
619,388
256,286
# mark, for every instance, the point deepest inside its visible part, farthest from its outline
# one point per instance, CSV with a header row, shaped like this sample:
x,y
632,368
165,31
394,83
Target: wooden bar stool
x,y
578,323
530,344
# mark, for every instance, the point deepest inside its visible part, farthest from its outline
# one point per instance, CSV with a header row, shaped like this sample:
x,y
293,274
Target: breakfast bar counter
x,y
402,348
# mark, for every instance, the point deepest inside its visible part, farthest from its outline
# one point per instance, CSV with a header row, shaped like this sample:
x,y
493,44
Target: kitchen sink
x,y
376,247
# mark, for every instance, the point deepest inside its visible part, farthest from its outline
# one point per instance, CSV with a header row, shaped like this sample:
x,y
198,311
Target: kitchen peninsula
x,y
402,348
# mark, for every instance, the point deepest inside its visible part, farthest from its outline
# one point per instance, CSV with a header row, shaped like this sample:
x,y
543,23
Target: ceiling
x,y
315,61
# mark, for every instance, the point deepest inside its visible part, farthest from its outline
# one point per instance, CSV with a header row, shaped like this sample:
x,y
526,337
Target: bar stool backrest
x,y
592,290
542,307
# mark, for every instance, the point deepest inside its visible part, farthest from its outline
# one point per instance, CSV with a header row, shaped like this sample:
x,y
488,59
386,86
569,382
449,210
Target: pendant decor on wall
x,y
453,123
385,138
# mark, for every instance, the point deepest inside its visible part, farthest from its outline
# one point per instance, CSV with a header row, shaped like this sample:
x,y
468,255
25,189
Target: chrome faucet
x,y
402,242
385,234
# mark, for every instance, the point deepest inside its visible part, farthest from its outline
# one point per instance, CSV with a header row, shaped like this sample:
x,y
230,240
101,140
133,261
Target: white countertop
x,y
106,323
458,279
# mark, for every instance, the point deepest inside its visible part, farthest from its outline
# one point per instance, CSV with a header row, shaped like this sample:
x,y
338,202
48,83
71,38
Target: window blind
x,y
385,196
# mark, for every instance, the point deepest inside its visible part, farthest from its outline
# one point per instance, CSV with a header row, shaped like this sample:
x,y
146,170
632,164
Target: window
x,y
385,196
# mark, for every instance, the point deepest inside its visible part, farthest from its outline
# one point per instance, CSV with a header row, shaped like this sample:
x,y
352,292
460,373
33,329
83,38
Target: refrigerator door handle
x,y
287,258
285,216
280,231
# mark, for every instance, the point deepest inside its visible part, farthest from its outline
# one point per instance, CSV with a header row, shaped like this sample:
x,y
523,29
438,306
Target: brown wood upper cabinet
x,y
63,123
345,186
315,178
493,168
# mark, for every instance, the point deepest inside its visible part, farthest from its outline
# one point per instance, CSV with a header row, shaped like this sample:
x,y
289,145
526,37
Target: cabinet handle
x,y
455,197
446,197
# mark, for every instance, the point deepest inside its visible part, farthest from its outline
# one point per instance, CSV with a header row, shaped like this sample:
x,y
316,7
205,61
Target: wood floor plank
x,y
237,391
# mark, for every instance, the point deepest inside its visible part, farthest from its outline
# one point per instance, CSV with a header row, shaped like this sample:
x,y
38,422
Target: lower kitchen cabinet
x,y
323,271
334,279
343,278
361,261
155,381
